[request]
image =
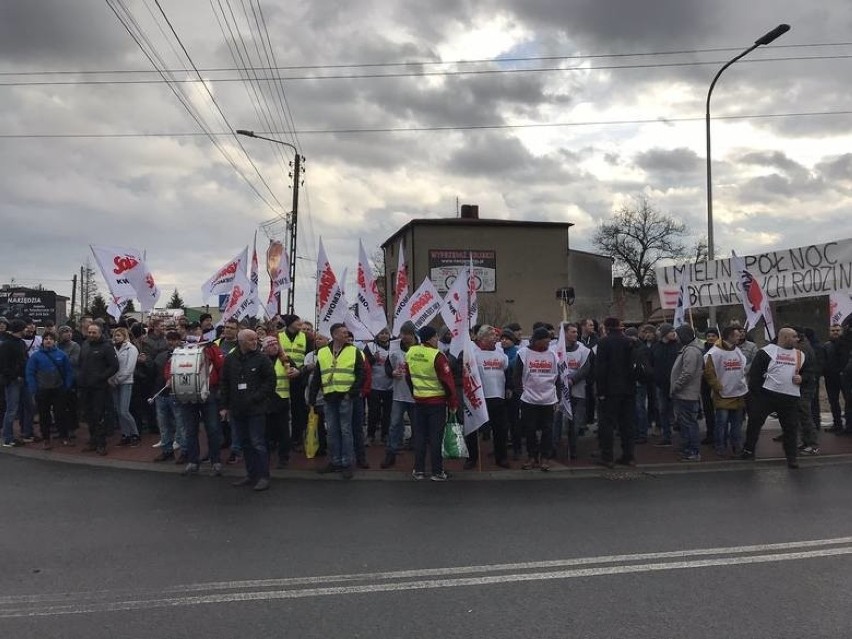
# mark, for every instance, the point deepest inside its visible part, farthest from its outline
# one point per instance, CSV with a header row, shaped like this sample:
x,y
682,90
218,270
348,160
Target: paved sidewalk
x,y
650,459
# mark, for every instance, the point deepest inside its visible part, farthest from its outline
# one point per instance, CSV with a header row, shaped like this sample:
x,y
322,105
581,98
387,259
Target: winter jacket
x,y
127,355
49,369
663,356
13,359
247,384
98,362
687,372
613,366
810,370
72,350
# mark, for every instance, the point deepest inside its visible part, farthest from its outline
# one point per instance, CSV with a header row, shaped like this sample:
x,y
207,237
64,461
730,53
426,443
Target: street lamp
x,y
297,171
766,38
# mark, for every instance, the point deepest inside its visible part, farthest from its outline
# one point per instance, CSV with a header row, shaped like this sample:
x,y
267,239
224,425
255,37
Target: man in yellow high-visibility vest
x,y
432,385
296,343
340,374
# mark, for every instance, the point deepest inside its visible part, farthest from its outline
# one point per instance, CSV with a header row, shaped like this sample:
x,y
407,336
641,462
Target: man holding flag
x,y
492,365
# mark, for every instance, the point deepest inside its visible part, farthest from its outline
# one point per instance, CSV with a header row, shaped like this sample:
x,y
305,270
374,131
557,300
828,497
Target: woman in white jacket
x,y
122,386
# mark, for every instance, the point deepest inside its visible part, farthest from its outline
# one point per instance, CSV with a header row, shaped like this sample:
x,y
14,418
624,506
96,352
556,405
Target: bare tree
x,y
493,312
88,285
638,237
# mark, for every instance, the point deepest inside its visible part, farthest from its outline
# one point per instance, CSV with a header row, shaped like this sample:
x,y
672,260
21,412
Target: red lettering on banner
x,y
236,295
123,264
420,303
732,364
326,283
228,271
540,365
149,280
471,388
402,280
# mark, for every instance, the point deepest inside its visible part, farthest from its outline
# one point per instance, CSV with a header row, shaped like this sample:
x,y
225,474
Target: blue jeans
x,y
169,418
686,414
358,443
338,422
14,394
665,412
728,430
641,411
251,431
397,425
191,417
121,400
428,433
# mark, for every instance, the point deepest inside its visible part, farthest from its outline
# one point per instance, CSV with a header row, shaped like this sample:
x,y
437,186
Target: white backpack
x,y
190,370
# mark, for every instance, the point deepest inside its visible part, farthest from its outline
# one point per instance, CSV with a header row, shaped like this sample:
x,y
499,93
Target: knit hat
x,y
665,329
426,333
632,332
507,334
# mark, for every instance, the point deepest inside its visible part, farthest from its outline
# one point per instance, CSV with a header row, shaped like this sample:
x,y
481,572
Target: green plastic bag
x,y
453,446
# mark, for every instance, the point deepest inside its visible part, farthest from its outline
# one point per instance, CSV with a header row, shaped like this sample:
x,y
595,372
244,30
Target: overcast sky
x,y
778,181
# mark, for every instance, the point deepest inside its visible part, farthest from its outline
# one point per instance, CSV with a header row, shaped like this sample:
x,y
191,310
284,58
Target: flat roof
x,y
461,221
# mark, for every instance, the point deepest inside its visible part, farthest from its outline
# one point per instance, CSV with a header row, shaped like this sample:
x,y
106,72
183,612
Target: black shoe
x,y
165,455
641,440
363,465
261,485
90,448
328,469
389,460
663,443
347,473
792,464
101,450
282,464
747,455
605,464
626,462
778,438
469,464
504,464
245,481
125,441
135,441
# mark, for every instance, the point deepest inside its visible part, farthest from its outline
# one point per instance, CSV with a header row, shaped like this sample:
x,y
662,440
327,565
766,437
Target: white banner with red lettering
x,y
475,410
755,302
371,309
127,275
400,289
278,268
424,304
239,303
839,307
331,303
223,279
455,312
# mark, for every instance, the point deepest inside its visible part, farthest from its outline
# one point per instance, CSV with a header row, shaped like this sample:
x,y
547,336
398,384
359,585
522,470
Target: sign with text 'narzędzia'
x,y
805,271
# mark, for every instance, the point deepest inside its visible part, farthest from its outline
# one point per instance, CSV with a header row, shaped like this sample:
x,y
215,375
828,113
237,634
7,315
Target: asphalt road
x,y
97,553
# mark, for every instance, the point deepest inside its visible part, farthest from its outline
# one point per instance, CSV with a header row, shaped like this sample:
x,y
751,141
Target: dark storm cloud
x,y
777,160
60,33
669,161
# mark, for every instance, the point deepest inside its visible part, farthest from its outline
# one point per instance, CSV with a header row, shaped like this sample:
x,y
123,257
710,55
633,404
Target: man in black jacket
x,y
247,385
664,352
98,362
832,370
13,363
616,388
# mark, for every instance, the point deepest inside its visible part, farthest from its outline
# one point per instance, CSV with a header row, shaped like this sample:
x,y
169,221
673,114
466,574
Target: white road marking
x,y
81,607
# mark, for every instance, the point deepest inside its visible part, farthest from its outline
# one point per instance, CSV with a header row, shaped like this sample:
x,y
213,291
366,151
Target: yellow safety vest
x,y
295,349
282,382
218,343
421,367
338,373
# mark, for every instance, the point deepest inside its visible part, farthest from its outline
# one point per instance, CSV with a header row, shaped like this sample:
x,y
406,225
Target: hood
x,y
685,334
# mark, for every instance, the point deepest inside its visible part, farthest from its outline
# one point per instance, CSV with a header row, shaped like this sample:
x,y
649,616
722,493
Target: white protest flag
x,y
475,410
683,302
331,303
839,307
359,330
120,267
278,268
370,307
116,306
472,303
424,304
755,302
563,379
238,305
400,316
254,290
223,279
454,312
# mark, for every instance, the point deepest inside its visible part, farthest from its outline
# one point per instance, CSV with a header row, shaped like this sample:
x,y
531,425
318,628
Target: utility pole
x,y
73,293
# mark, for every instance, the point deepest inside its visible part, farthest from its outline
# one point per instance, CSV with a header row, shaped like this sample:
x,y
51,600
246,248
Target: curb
x,y
638,472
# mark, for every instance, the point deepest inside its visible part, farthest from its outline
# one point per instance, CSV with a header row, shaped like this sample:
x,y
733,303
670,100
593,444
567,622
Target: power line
x,y
426,74
469,127
361,65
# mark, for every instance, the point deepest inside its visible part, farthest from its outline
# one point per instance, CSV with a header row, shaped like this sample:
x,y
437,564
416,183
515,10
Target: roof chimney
x,y
470,211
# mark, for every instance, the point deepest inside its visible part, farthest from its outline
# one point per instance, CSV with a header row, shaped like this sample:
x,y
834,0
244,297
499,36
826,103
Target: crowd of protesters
x,y
647,385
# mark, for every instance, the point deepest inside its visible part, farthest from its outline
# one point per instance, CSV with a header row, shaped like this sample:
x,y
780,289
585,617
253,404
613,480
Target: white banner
x,y
806,271
683,301
400,316
331,303
254,292
475,410
239,302
223,279
370,307
424,304
127,276
839,307
278,268
454,312
755,302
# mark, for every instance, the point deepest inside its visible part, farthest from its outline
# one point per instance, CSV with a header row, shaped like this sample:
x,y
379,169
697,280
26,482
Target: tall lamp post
x,y
297,170
766,38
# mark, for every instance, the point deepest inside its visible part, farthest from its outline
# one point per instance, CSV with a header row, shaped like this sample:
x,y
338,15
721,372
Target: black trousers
x,y
278,427
498,419
538,418
516,428
616,413
52,409
94,403
787,409
379,412
298,411
834,390
707,409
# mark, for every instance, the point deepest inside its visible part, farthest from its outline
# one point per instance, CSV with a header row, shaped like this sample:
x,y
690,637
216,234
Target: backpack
x,y
190,375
